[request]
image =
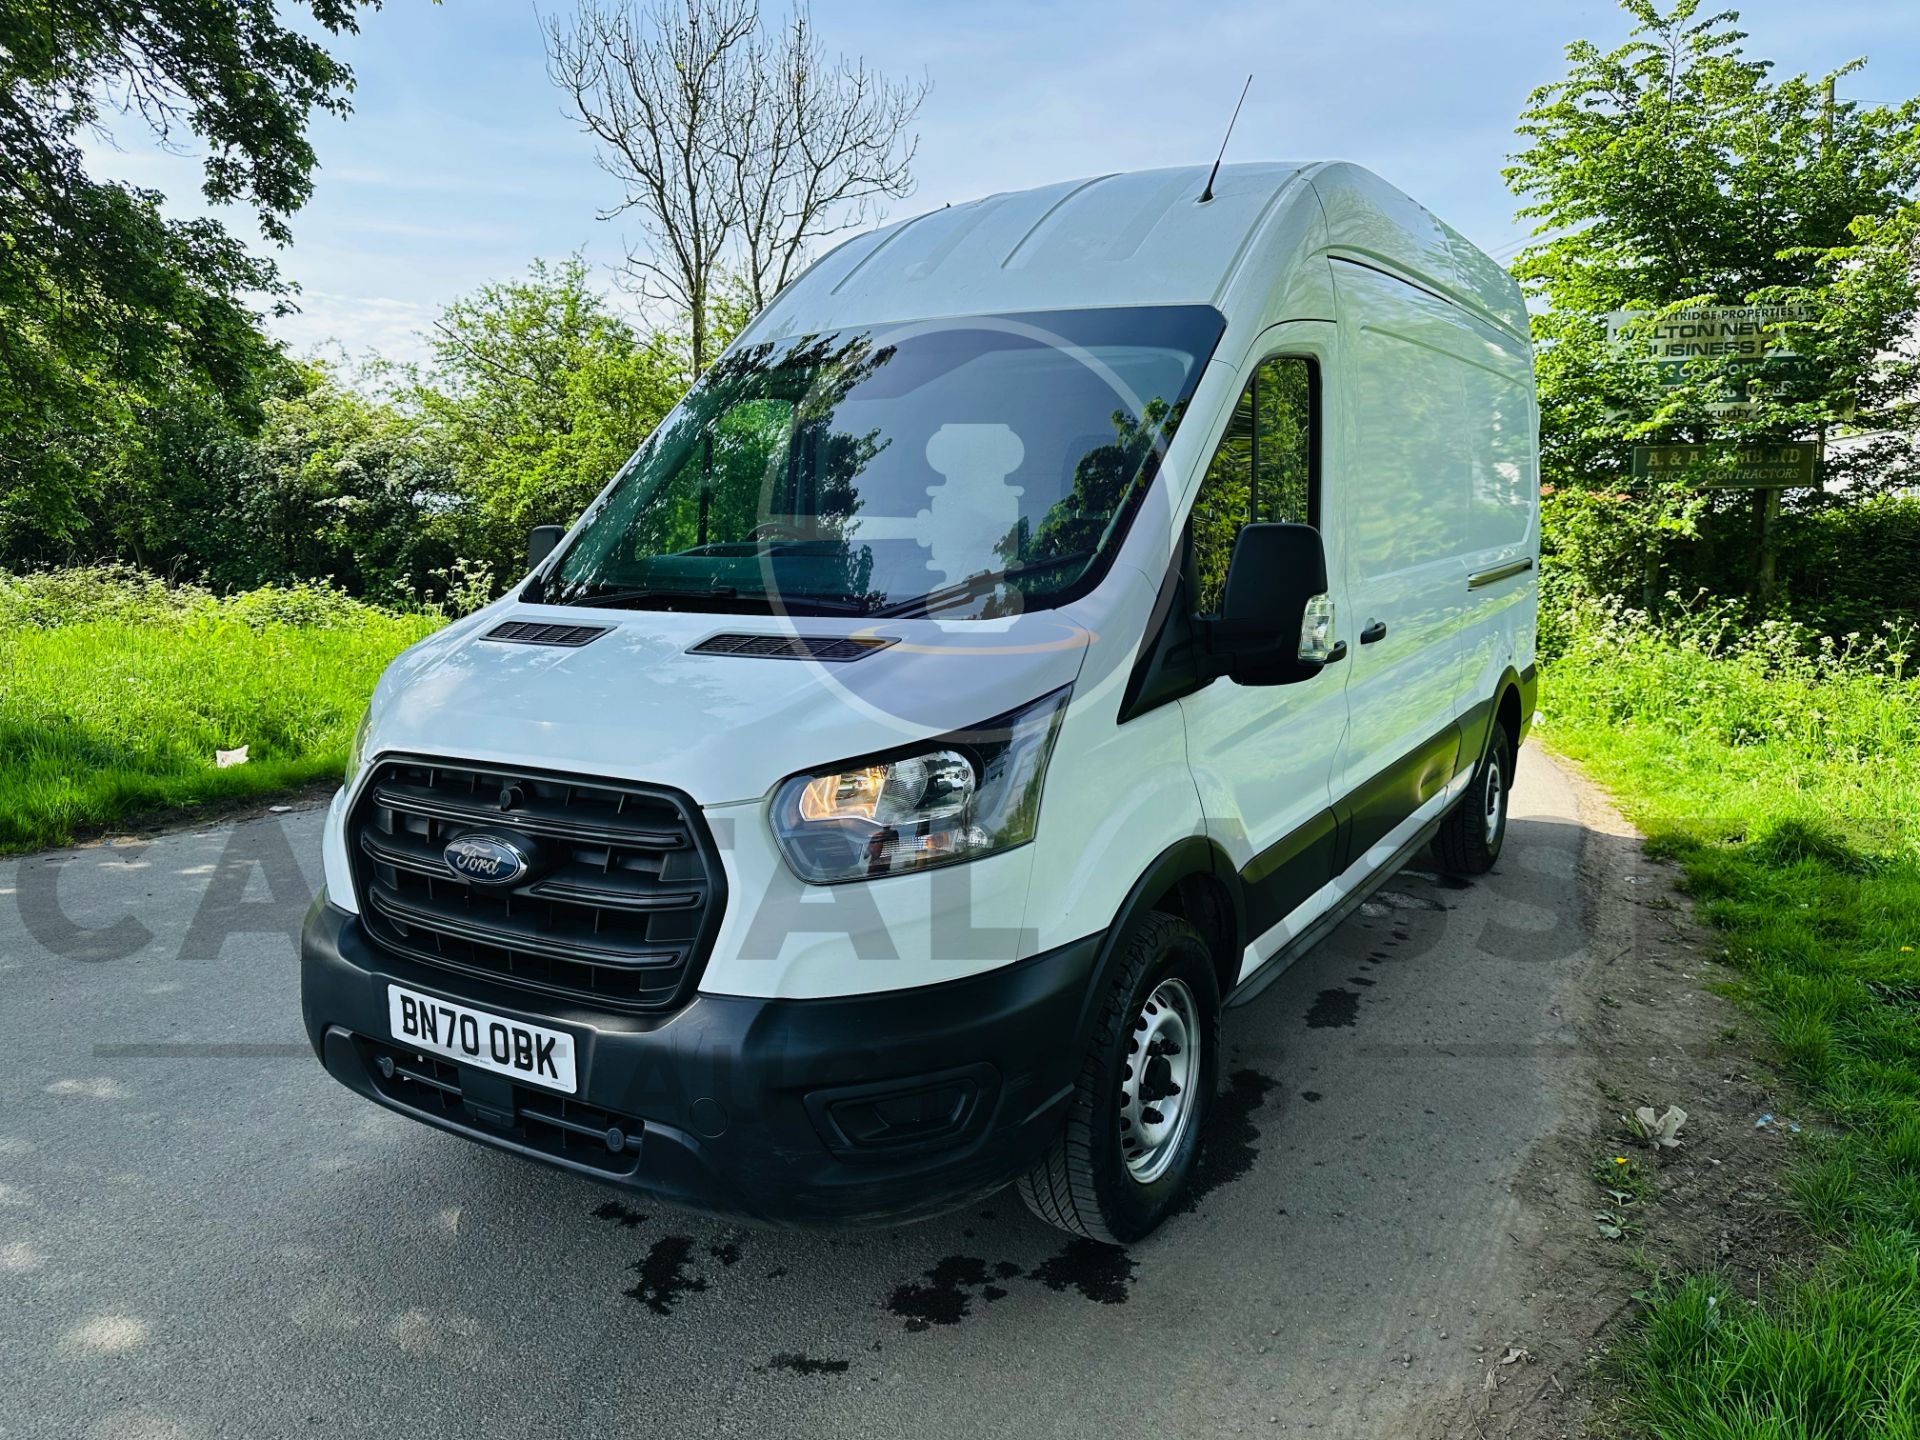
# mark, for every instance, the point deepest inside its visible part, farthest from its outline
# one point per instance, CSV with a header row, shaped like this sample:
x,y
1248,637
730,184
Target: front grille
x,y
618,908
552,1124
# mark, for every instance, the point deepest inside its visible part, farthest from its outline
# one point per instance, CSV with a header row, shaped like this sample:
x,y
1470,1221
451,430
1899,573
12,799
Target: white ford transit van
x,y
1049,618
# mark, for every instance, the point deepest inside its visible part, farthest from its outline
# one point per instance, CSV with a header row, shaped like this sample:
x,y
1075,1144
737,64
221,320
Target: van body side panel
x,y
1285,875
1503,507
1432,485
1375,807
1401,488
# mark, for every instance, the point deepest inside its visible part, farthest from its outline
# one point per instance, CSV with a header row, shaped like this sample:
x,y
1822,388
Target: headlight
x,y
356,752
973,793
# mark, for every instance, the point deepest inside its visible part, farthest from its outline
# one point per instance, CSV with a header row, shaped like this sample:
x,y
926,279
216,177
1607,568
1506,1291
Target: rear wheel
x,y
1132,1132
1470,838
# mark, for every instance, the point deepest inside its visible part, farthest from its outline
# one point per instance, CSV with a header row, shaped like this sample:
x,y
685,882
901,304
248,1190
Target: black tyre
x,y
1132,1133
1470,837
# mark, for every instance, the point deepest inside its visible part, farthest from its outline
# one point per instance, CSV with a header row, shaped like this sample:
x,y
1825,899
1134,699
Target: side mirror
x,y
540,542
1275,573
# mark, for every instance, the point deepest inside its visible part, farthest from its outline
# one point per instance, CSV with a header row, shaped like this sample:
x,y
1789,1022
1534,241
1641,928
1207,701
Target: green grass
x,y
1784,777
116,690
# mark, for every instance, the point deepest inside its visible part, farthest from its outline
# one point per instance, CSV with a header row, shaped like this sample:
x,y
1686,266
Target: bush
x,y
311,605
47,599
1832,701
1839,568
1853,566
79,595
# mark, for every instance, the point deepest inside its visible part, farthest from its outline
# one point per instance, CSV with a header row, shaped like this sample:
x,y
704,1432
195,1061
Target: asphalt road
x,y
202,1235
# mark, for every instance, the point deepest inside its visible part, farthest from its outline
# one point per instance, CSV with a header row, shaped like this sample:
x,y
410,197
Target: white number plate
x,y
531,1053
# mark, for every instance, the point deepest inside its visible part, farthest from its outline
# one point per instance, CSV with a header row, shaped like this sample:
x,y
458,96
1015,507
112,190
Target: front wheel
x,y
1470,838
1124,1156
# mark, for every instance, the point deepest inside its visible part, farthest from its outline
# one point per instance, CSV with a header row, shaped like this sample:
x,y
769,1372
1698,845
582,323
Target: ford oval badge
x,y
485,859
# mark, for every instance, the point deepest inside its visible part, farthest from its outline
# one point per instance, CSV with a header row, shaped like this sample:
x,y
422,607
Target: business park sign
x,y
1751,341
1741,333
1748,338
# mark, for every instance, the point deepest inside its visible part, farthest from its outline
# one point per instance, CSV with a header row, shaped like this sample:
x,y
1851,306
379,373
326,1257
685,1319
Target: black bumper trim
x,y
728,1092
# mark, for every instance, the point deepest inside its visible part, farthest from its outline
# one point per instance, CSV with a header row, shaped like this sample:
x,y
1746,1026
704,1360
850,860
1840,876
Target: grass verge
x,y
1784,777
116,691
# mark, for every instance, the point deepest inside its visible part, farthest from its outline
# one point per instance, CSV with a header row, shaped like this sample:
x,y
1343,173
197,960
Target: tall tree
x,y
100,293
738,148
541,391
1673,171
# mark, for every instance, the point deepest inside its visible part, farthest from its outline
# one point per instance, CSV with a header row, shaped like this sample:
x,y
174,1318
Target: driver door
x,y
1263,755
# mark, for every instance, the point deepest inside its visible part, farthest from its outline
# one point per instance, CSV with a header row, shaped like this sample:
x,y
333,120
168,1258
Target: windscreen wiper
x,y
614,598
966,589
801,603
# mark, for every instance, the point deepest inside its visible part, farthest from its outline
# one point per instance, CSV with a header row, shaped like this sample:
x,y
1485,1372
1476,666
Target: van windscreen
x,y
970,467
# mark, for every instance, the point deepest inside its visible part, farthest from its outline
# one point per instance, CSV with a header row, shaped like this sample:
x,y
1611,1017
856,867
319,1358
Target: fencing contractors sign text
x,y
1728,467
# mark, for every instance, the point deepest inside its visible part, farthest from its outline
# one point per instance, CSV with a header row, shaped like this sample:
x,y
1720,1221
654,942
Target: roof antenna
x,y
1207,194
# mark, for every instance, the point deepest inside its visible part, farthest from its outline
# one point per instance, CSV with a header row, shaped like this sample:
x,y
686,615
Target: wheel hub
x,y
1496,799
1158,1082
1162,1061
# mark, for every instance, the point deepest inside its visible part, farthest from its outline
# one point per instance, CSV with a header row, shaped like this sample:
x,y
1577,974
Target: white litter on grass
x,y
225,759
278,809
1663,1130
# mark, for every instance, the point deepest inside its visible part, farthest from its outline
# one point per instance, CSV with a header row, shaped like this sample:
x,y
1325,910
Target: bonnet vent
x,y
529,632
839,648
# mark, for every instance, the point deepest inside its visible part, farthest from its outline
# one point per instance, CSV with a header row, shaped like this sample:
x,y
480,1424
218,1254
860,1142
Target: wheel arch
x,y
1194,880
1506,707
1507,710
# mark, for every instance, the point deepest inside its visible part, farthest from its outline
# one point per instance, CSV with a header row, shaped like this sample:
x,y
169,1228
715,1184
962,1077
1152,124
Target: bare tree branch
x,y
737,149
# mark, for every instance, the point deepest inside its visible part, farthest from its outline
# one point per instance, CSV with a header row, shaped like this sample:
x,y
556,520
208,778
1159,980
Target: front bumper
x,y
864,1109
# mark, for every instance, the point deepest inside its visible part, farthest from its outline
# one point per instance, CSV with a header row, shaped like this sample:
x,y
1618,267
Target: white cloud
x,y
391,327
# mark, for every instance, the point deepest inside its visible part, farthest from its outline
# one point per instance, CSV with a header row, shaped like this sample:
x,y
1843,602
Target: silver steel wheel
x,y
1496,799
1157,1102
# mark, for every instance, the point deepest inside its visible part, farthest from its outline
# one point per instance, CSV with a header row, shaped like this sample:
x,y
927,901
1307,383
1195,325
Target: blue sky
x,y
459,165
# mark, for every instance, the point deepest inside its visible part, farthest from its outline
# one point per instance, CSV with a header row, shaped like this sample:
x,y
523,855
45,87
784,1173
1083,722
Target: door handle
x,y
1336,655
1376,630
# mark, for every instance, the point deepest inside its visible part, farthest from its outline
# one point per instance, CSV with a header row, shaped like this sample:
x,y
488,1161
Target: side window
x,y
1263,470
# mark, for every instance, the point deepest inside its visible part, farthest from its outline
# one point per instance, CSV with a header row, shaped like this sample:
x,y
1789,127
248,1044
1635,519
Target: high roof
x,y
1140,238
